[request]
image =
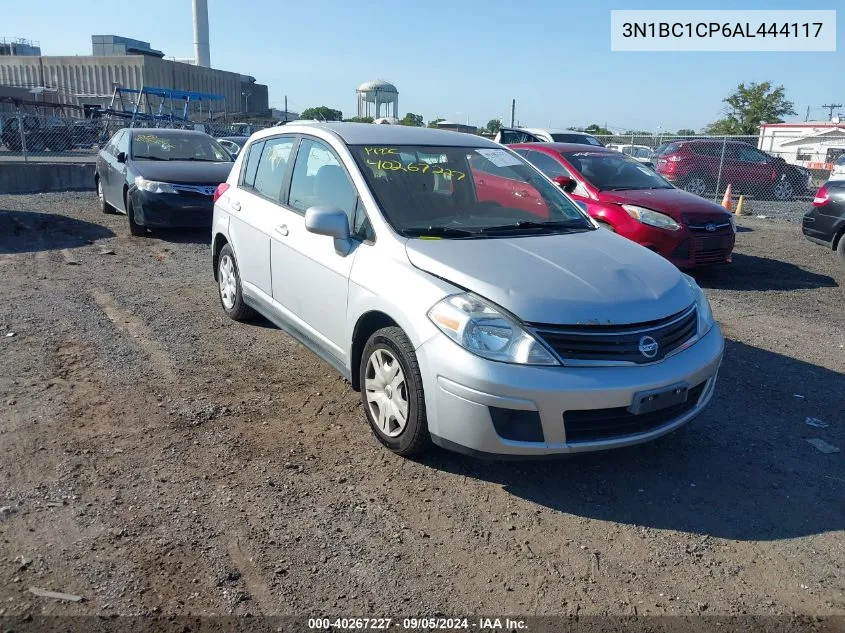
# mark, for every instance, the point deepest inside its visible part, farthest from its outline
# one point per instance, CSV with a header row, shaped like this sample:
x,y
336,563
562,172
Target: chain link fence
x,y
776,174
30,137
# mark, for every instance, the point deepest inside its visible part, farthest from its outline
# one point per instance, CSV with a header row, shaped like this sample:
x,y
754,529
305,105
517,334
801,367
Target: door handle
x,y
282,230
236,206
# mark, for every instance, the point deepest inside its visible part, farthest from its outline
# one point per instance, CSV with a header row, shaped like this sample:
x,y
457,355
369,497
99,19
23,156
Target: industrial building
x,y
814,145
18,47
89,81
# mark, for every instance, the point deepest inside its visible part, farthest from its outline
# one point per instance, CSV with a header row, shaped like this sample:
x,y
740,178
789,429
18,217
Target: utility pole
x,y
513,110
807,118
832,107
286,108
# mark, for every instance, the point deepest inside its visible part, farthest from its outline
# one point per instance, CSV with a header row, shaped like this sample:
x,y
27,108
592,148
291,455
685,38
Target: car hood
x,y
677,204
183,171
596,278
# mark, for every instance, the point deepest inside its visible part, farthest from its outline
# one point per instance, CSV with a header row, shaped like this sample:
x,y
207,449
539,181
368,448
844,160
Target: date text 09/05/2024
x,y
717,29
417,624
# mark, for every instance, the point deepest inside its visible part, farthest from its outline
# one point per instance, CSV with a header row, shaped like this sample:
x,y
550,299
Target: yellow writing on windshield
x,y
380,151
413,168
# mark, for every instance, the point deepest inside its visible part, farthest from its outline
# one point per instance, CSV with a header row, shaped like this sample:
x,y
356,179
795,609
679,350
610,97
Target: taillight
x,y
822,197
673,158
222,188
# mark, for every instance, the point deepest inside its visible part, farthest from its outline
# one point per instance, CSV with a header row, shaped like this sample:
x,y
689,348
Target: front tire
x,y
783,190
840,248
392,392
229,286
134,228
105,207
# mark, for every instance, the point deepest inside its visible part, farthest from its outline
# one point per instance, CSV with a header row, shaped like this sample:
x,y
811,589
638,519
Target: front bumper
x,y
172,210
463,392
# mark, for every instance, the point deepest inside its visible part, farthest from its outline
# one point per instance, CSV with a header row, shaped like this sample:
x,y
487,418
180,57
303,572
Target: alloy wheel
x,y
783,190
696,186
387,392
228,282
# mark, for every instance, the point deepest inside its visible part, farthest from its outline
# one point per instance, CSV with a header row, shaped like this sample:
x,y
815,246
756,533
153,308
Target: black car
x,y
161,178
825,223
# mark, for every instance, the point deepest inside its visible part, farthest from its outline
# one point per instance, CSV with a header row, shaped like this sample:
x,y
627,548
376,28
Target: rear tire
x,y
696,185
134,228
392,392
229,286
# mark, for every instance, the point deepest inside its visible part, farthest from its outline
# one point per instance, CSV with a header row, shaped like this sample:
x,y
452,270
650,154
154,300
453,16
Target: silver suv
x,y
466,297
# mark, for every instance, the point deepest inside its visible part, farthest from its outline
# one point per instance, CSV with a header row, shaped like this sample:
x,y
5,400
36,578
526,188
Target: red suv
x,y
694,166
629,198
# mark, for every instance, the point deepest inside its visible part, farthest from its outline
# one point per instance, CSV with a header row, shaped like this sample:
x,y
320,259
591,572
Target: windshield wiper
x,y
529,224
437,231
148,158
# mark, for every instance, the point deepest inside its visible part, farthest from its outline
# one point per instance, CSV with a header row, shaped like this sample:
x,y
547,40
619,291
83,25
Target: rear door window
x,y
272,167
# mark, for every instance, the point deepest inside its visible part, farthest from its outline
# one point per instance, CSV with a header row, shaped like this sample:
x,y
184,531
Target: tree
x,y
751,105
360,119
322,113
414,120
595,128
435,122
636,133
685,131
494,125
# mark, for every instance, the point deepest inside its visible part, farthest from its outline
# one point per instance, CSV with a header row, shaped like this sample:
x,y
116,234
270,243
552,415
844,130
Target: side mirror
x,y
565,182
121,157
327,221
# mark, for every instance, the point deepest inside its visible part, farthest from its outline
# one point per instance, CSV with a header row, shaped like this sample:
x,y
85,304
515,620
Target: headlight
x,y
702,305
652,218
153,186
479,327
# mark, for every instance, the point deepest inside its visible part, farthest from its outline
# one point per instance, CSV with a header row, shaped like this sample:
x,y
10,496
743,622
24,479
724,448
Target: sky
x,y
461,61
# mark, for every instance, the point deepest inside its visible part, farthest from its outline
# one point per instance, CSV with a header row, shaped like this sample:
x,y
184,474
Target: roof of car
x,y
370,133
162,131
565,147
551,130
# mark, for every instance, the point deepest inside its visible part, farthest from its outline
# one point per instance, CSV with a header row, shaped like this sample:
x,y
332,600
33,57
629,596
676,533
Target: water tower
x,y
372,95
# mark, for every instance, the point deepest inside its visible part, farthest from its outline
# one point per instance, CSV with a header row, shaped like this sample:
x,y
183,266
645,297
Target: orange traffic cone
x,y
726,201
739,210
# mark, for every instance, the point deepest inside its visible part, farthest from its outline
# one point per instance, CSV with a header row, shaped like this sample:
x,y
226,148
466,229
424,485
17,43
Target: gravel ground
x,y
156,457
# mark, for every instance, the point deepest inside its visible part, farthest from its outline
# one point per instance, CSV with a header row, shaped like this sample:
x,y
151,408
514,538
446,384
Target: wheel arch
x,y
367,323
219,242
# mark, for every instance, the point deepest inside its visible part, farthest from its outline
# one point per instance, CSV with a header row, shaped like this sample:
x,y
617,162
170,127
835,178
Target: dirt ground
x,y
156,457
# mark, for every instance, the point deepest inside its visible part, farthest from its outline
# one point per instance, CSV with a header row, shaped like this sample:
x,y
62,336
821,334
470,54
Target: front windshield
x,y
196,147
614,172
458,192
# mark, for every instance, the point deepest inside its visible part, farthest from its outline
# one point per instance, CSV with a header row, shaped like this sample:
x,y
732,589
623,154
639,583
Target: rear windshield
x,y
582,139
446,191
614,172
671,148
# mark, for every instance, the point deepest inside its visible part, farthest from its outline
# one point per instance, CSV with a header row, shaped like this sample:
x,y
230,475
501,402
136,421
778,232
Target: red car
x,y
697,165
629,198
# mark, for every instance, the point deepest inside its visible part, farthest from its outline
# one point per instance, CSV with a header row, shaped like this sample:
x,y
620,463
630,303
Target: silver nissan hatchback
x,y
467,298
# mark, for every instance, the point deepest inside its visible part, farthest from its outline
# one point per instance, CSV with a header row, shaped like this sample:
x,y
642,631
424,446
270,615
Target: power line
x,y
831,107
